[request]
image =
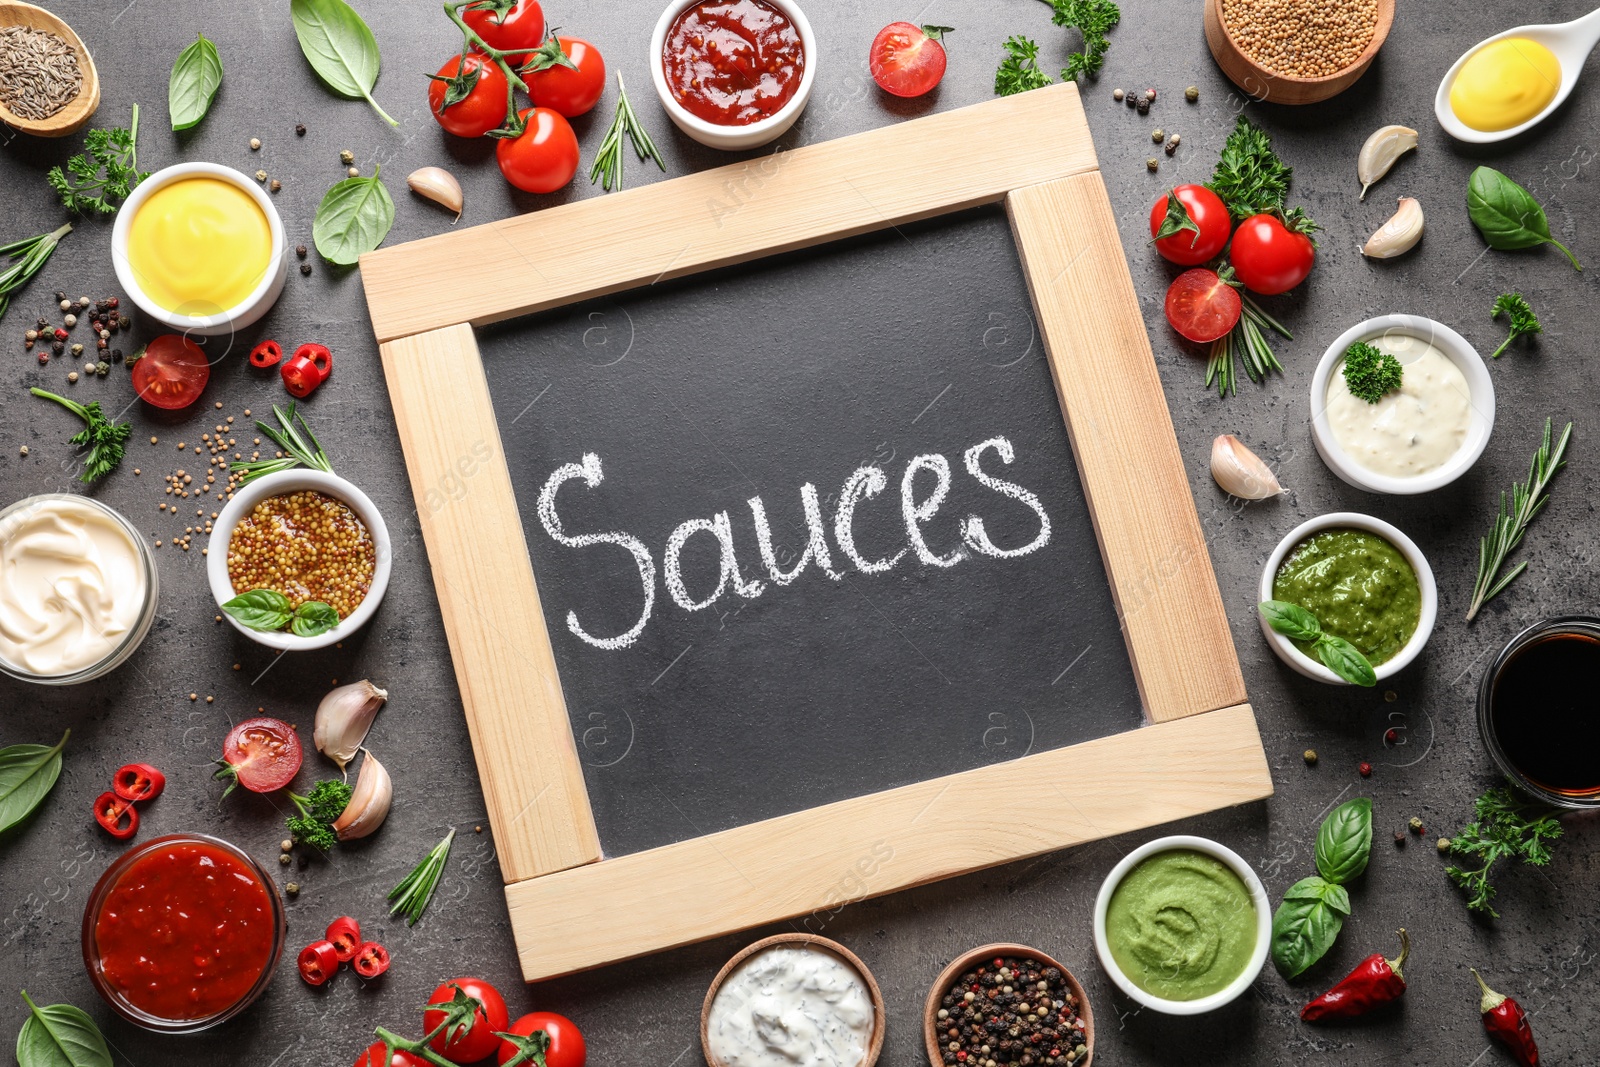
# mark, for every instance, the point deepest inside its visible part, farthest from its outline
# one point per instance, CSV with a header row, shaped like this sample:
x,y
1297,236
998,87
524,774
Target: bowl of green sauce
x,y
1364,580
1182,925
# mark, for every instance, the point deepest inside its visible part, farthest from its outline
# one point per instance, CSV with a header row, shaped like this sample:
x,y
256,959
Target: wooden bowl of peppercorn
x,y
979,974
75,113
1302,71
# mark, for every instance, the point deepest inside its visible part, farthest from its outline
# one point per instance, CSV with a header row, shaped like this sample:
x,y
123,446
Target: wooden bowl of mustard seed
x,y
1296,51
991,1005
48,83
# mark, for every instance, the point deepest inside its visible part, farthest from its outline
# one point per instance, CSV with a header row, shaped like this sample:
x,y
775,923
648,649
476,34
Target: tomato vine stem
x,y
514,124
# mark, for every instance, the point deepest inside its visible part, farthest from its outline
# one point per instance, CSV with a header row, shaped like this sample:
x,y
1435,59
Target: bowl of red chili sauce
x,y
733,74
182,933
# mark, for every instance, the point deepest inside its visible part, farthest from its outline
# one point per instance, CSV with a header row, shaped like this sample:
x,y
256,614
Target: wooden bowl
x,y
874,1047
1262,84
71,118
970,960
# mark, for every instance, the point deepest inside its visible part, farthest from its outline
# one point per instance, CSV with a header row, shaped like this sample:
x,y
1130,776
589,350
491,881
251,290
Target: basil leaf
x,y
1507,214
59,1035
1290,620
353,218
196,76
1344,841
340,48
1345,660
1306,924
261,609
27,774
313,618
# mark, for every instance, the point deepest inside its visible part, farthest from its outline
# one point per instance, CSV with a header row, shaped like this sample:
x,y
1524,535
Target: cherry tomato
x,y
906,59
110,811
318,963
171,373
474,1038
138,781
373,1057
262,754
509,25
266,354
1202,306
476,91
308,368
569,90
1206,210
345,935
566,1041
371,959
544,158
1268,257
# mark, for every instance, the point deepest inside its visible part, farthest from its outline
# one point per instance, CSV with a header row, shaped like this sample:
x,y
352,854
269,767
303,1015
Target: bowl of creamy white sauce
x,y
1416,438
793,999
78,589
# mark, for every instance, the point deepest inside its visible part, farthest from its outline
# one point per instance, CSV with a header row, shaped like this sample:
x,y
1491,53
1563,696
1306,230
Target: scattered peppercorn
x,y
284,859
354,172
299,129
123,322
276,185
1152,164
1400,838
44,357
1142,105
305,268
77,350
300,251
1117,95
255,144
1150,95
1365,768
1310,756
1416,826
58,347
70,321
1158,135
1443,844
261,175
293,889
1192,93
347,157
1391,736
24,450
31,335
65,305
102,368
59,334
72,376
1172,144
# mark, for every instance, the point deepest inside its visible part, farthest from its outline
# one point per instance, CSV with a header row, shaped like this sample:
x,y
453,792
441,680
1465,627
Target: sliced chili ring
x,y
318,963
110,811
371,960
308,368
138,781
266,354
345,935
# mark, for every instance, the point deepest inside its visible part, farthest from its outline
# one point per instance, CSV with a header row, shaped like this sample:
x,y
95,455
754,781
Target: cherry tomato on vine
x,y
566,74
171,373
344,934
318,963
370,960
907,59
1206,212
1268,257
373,1057
509,25
1202,306
138,781
262,754
544,157
468,97
471,1038
566,1041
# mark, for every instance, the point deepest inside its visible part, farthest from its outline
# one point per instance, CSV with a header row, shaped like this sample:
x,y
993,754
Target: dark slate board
x,y
753,381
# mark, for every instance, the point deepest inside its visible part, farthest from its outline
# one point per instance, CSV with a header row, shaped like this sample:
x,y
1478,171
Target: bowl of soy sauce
x,y
1539,711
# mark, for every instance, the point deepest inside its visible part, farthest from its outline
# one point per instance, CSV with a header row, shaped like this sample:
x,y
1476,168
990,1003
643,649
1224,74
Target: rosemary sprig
x,y
607,167
28,255
303,451
1247,341
411,896
1527,499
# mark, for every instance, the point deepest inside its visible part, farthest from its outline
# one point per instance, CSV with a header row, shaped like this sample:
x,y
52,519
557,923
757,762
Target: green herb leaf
x,y
1091,18
607,167
530,1050
353,219
313,826
1019,70
1520,318
1345,660
1505,827
1176,221
1344,841
1507,214
27,774
1307,923
196,76
104,174
60,1035
1527,500
313,618
299,445
1249,176
340,48
1371,373
412,895
105,440
261,609
1291,620
27,256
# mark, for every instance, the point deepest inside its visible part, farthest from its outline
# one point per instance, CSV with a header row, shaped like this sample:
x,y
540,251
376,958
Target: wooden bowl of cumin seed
x,y
48,83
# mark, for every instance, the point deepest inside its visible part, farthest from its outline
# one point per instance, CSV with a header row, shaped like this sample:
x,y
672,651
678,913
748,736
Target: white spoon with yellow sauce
x,y
1510,82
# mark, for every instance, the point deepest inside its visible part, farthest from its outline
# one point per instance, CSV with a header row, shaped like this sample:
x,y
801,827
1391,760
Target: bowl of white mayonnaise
x,y
78,589
1424,430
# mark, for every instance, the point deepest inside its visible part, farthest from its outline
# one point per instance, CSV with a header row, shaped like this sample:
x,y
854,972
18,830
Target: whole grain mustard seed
x,y
307,546
1301,38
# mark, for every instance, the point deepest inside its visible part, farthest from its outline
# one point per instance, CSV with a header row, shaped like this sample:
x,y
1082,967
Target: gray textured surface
x,y
1543,949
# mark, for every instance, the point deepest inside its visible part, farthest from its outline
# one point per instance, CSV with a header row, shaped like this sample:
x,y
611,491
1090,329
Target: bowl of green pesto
x,y
1364,580
1182,925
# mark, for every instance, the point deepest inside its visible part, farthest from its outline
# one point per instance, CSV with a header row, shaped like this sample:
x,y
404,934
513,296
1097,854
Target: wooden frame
x,y
570,908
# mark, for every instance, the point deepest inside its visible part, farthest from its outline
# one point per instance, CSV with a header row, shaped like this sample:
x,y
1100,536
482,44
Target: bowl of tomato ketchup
x,y
733,74
182,933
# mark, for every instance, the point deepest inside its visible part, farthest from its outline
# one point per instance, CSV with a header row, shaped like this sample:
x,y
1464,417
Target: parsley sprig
x,y
1503,827
1019,70
106,172
1252,180
1527,500
313,825
1371,373
1520,318
105,439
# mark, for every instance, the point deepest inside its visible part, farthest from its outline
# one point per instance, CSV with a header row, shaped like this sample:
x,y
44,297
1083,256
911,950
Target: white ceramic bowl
x,y
733,138
1312,668
261,298
1456,348
289,481
1258,896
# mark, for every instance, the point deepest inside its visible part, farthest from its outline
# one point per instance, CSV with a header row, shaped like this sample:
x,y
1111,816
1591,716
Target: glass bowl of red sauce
x,y
733,74
182,933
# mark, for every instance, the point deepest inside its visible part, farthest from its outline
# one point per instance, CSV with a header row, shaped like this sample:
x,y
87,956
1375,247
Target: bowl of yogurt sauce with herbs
x,y
1401,404
1363,580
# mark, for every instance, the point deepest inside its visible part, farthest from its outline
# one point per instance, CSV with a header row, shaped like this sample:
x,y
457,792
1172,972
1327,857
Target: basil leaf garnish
x,y
1345,660
27,774
1291,620
261,609
196,76
1306,924
1344,841
313,618
60,1035
353,218
1507,214
340,48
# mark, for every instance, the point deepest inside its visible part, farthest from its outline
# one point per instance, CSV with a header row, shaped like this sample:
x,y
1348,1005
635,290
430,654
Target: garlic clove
x,y
1380,151
1240,471
343,718
438,185
1400,234
369,801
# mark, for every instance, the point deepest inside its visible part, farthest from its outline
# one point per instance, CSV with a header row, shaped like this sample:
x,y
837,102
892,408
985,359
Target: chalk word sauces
x,y
917,507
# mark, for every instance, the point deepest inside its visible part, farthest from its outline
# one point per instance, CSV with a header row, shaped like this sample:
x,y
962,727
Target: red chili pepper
x,y
1507,1023
318,961
345,934
372,959
110,810
1374,982
138,781
308,368
266,354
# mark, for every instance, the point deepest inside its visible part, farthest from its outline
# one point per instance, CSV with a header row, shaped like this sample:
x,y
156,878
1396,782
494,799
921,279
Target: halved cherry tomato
x,y
1206,212
110,810
318,963
1268,257
566,1048
469,1037
468,97
544,158
1202,306
138,781
345,934
308,368
509,25
906,59
262,754
266,354
171,373
373,1057
566,75
371,959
